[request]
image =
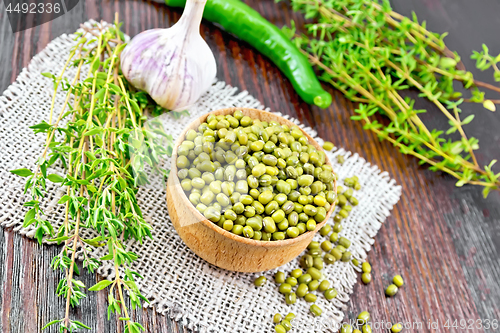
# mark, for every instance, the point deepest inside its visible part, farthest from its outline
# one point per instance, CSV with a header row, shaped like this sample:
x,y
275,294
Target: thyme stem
x,y
370,53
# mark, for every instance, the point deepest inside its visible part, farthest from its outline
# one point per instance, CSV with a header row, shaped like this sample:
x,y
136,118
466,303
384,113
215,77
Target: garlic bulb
x,y
174,66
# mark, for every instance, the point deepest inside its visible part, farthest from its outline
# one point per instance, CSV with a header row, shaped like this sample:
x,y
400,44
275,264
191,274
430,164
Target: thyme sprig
x,y
371,54
101,138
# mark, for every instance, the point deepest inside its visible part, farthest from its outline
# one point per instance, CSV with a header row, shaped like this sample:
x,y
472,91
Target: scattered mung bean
x,y
324,285
260,281
286,325
314,273
305,278
327,246
318,263
398,281
302,290
366,328
344,242
313,285
396,328
336,253
346,256
327,145
391,290
366,278
330,293
310,298
364,317
279,329
315,310
291,281
325,230
285,288
346,328
279,277
307,261
290,298
329,259
296,273
290,316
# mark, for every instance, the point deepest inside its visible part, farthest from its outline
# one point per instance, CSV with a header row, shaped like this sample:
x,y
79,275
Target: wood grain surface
x,y
443,240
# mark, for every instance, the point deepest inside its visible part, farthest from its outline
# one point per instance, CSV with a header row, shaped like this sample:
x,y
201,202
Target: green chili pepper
x,y
247,24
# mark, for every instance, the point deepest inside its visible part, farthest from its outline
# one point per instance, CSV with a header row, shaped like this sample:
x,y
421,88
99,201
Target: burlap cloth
x,y
176,281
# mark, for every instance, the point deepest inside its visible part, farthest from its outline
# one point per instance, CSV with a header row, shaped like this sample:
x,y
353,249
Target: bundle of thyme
x,y
98,137
370,53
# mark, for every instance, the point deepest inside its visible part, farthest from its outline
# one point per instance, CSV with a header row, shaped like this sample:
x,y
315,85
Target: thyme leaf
x,y
101,138
371,54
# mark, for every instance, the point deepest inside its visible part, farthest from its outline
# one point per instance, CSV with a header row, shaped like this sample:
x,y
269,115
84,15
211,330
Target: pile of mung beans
x,y
266,181
308,281
257,179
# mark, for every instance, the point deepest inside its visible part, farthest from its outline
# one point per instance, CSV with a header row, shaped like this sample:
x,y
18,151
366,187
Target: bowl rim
x,y
215,227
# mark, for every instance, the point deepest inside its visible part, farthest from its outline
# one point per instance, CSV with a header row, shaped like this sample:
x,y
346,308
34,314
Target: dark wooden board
x,y
443,240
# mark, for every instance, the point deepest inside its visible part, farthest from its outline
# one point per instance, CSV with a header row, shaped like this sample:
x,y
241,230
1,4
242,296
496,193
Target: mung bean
x,y
367,329
291,281
398,281
290,316
302,290
364,317
260,281
279,277
290,298
285,288
330,293
279,329
391,290
346,328
396,328
315,310
310,298
366,278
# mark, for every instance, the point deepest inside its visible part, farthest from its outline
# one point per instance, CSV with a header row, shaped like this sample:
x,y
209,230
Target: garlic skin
x,y
174,66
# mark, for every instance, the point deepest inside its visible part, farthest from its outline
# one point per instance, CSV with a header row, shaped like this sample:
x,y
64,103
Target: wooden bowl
x,y
218,246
